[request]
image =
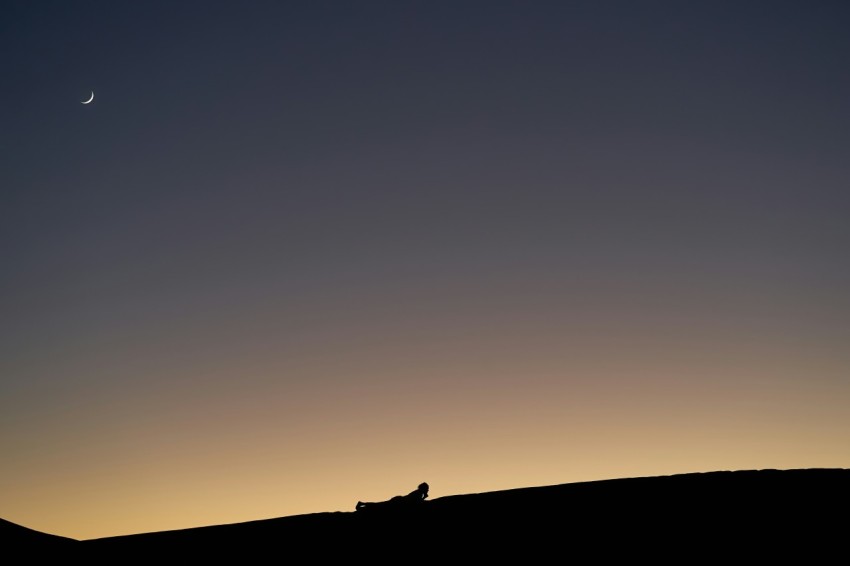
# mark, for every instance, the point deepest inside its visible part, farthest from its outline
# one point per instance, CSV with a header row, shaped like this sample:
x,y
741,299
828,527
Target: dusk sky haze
x,y
297,254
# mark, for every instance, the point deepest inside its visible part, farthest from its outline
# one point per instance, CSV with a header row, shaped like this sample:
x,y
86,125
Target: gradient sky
x,y
297,254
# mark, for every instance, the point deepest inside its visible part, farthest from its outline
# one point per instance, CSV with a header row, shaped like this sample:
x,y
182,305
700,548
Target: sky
x,y
297,254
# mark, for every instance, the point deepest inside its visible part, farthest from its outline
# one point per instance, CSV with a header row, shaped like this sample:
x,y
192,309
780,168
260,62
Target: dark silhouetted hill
x,y
728,516
25,542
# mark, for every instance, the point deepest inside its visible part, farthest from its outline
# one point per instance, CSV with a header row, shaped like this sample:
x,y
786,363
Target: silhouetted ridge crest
x,y
754,514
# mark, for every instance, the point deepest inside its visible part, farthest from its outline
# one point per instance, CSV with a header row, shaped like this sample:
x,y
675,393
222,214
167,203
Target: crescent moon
x,y
90,99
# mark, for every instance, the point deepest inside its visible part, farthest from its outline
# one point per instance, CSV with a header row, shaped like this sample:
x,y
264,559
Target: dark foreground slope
x,y
23,541
730,516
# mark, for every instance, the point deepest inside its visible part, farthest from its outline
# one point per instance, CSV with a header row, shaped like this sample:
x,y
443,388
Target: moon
x,y
89,100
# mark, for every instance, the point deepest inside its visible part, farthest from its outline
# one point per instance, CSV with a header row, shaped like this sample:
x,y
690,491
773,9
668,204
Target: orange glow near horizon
x,y
470,420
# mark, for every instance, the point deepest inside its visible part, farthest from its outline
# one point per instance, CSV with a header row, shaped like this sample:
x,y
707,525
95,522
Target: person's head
x,y
423,487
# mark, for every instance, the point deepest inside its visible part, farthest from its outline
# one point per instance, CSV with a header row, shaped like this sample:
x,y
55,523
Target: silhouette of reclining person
x,y
399,501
